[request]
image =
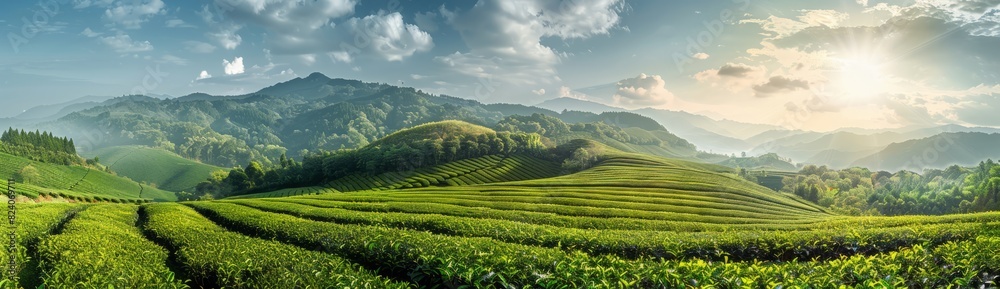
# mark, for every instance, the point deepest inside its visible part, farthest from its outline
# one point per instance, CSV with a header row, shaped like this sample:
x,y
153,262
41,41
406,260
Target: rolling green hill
x,y
165,170
80,181
629,221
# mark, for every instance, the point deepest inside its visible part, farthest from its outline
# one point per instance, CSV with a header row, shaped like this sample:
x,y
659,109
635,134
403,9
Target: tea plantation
x,y
631,221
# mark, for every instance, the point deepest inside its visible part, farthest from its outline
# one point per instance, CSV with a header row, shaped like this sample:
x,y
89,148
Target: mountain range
x,y
321,113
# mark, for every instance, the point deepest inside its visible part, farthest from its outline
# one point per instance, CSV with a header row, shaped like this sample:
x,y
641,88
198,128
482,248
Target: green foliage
x,y
422,146
101,248
770,161
33,223
581,159
39,140
214,257
424,258
39,146
860,191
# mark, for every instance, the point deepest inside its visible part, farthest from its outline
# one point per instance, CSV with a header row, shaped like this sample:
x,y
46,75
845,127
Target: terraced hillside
x,y
630,222
488,169
170,172
75,181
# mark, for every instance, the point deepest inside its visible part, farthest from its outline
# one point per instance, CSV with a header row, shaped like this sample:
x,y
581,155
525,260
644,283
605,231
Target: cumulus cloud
x,y
416,76
123,43
504,37
778,84
317,28
390,37
233,67
701,56
131,14
227,37
642,91
540,91
203,75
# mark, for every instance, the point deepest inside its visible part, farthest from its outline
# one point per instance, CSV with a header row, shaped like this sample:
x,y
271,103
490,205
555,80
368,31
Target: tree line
x,y
39,146
400,154
859,191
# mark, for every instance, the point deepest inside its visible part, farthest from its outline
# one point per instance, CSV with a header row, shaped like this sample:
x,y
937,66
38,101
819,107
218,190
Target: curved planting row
x,y
101,248
734,245
452,261
488,169
589,208
34,222
214,257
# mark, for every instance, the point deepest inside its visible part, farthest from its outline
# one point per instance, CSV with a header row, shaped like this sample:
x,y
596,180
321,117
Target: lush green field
x,y
77,181
171,172
631,222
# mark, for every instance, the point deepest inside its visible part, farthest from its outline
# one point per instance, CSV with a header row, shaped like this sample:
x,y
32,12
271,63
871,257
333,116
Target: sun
x,y
860,78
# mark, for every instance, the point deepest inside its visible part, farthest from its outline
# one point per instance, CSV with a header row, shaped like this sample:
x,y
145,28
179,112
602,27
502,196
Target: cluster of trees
x,y
39,139
39,146
859,191
398,155
556,128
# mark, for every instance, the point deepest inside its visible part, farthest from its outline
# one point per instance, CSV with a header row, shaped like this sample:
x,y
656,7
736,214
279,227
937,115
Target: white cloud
x,y
318,27
390,37
862,2
203,75
132,16
199,47
893,10
828,18
227,37
504,37
643,91
90,33
416,76
782,27
540,91
122,43
701,56
233,67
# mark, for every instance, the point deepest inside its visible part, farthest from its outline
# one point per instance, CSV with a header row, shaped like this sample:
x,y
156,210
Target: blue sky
x,y
801,64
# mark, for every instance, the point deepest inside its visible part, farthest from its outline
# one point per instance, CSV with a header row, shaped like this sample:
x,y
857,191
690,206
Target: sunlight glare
x,y
861,78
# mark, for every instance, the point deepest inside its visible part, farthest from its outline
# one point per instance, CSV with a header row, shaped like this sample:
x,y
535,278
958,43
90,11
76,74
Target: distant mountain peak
x,y
317,75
